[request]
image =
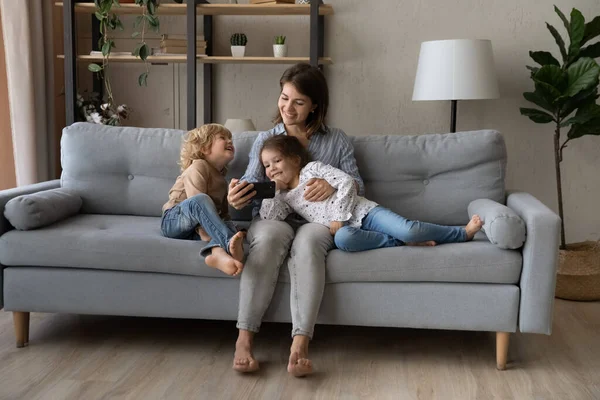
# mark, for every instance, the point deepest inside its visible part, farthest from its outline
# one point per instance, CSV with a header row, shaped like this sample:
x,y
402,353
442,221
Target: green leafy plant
x,y
279,39
238,39
109,21
567,91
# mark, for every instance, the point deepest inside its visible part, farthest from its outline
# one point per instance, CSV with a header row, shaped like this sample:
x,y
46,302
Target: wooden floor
x,y
90,357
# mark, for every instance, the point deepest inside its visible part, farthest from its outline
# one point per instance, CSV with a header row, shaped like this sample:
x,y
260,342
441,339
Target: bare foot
x,y
236,246
473,226
299,366
243,359
220,260
427,243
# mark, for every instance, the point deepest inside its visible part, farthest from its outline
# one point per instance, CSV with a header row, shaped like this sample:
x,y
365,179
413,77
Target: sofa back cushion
x,y
125,170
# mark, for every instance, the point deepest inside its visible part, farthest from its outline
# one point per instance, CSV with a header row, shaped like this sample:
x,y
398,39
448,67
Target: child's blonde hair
x,y
196,142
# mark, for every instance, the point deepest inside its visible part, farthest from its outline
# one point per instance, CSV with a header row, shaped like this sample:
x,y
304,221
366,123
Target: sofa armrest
x,y
6,195
540,262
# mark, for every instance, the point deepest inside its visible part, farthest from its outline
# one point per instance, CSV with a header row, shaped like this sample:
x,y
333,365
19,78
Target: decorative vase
x,y
280,50
238,51
302,1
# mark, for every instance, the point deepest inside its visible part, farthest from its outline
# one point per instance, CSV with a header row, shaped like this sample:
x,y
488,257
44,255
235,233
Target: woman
x,y
302,107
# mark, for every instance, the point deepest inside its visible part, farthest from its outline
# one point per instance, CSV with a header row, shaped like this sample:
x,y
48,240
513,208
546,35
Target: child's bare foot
x,y
299,366
236,246
473,226
427,243
243,359
220,260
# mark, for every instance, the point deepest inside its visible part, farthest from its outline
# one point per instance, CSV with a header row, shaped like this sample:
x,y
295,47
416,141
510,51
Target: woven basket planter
x,y
578,275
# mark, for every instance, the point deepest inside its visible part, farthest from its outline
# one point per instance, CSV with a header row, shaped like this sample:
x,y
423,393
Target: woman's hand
x,y
318,190
240,195
335,226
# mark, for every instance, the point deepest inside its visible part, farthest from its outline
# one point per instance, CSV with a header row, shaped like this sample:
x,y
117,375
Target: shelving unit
x,y
316,10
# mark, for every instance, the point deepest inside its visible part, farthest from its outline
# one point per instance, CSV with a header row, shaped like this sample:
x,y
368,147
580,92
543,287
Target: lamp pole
x,y
453,116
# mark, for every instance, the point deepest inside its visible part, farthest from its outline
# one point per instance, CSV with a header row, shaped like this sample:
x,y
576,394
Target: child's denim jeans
x,y
181,221
384,228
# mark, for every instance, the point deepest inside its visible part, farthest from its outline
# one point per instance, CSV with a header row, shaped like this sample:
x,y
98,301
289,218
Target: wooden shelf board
x,y
207,60
213,9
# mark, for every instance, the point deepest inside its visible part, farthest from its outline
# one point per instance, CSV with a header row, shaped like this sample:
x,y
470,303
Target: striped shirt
x,y
331,147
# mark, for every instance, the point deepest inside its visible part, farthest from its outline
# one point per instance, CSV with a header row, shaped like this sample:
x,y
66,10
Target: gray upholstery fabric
x,y
476,261
7,195
432,178
123,170
129,243
502,226
43,208
540,262
105,242
5,226
414,305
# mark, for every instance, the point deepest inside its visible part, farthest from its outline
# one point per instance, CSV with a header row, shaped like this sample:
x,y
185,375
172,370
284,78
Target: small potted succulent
x,y
280,48
238,44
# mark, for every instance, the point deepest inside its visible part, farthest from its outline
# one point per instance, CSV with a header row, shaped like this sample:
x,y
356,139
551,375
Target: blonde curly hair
x,y
197,141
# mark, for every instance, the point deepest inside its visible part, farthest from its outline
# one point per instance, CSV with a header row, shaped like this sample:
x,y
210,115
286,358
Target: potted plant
x,y
566,94
280,48
238,44
109,21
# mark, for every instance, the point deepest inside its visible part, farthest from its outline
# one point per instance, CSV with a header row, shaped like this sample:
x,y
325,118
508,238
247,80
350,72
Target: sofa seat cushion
x,y
478,261
112,242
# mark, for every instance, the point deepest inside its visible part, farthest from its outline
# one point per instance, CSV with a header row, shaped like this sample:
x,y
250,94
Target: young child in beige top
x,y
197,208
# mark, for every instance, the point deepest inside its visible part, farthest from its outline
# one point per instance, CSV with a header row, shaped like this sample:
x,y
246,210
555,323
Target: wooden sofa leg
x,y
21,322
502,339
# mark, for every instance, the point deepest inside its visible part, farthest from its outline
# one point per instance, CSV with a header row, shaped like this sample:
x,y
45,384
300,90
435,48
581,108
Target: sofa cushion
x,y
132,243
432,178
127,243
477,261
32,211
129,171
502,226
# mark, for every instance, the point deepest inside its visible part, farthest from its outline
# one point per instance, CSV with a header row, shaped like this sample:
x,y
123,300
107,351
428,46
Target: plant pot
x,y
238,51
578,276
280,50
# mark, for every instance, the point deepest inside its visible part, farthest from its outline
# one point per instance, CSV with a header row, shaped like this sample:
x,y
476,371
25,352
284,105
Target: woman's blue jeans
x,y
181,221
384,228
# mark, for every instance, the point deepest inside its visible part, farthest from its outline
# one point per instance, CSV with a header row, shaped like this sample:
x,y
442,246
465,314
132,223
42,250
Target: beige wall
x,y
7,164
375,47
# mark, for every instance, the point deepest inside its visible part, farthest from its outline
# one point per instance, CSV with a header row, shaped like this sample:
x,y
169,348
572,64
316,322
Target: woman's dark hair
x,y
288,146
310,82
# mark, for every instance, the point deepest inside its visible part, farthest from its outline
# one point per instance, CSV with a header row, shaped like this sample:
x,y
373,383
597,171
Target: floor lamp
x,y
456,70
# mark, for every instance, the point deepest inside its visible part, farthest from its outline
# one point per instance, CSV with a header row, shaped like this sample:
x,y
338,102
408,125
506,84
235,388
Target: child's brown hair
x,y
196,141
289,147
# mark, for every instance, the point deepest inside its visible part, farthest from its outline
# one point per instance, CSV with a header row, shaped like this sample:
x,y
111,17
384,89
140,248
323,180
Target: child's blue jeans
x,y
181,221
384,228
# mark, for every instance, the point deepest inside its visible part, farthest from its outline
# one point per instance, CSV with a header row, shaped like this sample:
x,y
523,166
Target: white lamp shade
x,y
237,125
456,70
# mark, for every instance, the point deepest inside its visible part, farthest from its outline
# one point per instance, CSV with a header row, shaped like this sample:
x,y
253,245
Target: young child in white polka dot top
x,y
357,224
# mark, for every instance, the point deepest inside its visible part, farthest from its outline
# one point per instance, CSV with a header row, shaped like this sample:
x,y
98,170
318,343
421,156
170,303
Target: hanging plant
x,y
109,21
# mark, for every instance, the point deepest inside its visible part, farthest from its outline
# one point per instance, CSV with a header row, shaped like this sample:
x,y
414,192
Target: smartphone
x,y
264,190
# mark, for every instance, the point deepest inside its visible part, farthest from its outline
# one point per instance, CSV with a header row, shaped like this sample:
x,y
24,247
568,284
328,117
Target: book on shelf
x,y
97,53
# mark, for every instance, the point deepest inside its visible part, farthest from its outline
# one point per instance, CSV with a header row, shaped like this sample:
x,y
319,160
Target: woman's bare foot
x,y
299,365
243,359
473,226
236,246
220,260
427,243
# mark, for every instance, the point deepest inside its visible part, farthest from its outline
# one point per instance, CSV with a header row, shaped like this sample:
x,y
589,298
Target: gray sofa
x,y
111,259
